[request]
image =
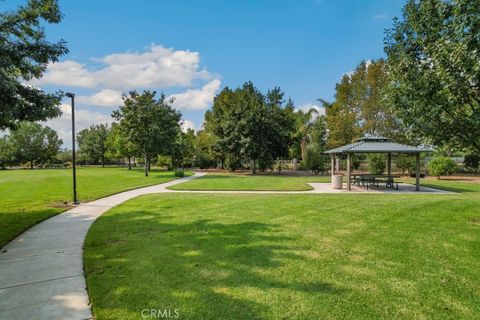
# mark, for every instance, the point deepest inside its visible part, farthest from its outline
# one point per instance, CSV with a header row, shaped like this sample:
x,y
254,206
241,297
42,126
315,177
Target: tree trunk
x,y
31,164
254,167
103,163
129,164
146,166
149,165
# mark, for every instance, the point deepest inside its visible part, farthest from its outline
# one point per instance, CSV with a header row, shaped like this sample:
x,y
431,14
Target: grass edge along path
x,y
28,197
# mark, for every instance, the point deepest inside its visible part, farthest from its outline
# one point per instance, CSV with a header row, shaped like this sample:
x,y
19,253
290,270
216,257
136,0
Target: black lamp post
x,y
72,96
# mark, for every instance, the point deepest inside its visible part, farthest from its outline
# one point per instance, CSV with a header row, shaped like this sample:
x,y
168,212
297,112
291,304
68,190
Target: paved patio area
x,y
403,188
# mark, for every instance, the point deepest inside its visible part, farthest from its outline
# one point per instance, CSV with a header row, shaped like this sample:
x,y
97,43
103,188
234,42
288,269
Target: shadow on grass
x,y
206,269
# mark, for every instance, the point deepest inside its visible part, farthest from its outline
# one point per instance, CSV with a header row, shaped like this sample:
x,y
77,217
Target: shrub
x,y
472,162
314,161
179,173
376,163
405,163
442,166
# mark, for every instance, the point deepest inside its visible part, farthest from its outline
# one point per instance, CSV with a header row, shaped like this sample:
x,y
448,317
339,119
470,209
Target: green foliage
x,y
360,106
150,124
31,142
184,151
405,162
119,145
92,143
472,161
179,173
314,161
24,55
250,126
6,152
376,163
434,60
442,166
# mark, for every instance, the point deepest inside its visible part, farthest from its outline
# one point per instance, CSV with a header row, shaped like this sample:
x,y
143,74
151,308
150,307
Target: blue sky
x,y
192,49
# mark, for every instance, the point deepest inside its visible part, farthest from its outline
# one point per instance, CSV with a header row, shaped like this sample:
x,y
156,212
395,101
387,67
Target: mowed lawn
x,y
331,256
247,182
30,196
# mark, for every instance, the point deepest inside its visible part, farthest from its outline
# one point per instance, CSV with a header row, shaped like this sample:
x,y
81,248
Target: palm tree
x,y
305,121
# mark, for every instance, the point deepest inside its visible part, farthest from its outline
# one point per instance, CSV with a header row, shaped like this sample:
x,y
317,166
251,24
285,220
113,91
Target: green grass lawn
x,y
30,196
250,182
337,256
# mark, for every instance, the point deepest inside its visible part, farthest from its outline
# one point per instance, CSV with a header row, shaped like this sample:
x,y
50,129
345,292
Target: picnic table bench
x,y
368,180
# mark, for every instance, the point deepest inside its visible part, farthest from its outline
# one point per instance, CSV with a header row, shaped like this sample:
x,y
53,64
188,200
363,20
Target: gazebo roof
x,y
372,144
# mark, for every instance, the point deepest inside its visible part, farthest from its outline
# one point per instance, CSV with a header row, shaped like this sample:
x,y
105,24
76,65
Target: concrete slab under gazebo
x,y
372,144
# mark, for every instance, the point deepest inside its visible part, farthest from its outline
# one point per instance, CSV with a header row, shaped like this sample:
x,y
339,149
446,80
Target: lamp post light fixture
x,y
75,199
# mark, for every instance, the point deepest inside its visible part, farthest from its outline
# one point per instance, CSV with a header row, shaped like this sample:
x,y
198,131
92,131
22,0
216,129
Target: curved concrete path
x,y
41,271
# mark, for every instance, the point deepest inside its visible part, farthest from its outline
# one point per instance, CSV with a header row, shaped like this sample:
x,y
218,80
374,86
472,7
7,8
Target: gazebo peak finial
x,y
371,138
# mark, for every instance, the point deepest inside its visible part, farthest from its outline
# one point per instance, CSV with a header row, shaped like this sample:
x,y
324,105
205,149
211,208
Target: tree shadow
x,y
206,269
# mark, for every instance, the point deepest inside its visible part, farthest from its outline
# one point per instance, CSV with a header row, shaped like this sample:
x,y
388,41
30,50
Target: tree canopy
x,y
362,106
24,55
92,142
31,142
434,60
151,124
250,126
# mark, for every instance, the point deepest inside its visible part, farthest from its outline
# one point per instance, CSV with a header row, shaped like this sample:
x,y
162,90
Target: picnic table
x,y
368,180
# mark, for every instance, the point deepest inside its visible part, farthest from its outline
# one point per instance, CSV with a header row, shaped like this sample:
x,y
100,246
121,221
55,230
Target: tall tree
x,y
151,124
250,126
92,143
361,106
434,59
31,142
304,121
24,55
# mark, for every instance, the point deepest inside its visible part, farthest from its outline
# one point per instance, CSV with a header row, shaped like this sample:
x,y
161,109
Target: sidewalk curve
x,y
41,271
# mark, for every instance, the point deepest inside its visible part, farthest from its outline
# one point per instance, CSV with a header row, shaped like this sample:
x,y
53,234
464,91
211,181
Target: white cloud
x,y
83,119
156,67
103,98
187,124
196,99
308,106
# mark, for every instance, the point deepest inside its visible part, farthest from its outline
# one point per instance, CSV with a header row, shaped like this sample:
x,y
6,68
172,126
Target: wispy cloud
x,y
380,16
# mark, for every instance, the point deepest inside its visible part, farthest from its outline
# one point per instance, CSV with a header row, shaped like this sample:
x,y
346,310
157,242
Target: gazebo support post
x,y
417,172
389,164
349,165
332,163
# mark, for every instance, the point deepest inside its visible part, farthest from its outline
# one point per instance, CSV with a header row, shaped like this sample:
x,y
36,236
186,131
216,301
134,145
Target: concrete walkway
x,y
41,271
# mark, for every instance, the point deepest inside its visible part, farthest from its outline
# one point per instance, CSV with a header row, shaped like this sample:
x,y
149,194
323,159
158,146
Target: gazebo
x,y
373,144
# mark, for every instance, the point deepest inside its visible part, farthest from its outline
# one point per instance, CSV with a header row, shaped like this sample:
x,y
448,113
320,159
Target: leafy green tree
x,y
92,143
24,55
434,61
472,161
314,160
31,142
442,166
119,146
361,106
376,163
205,154
185,149
250,126
6,152
152,125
